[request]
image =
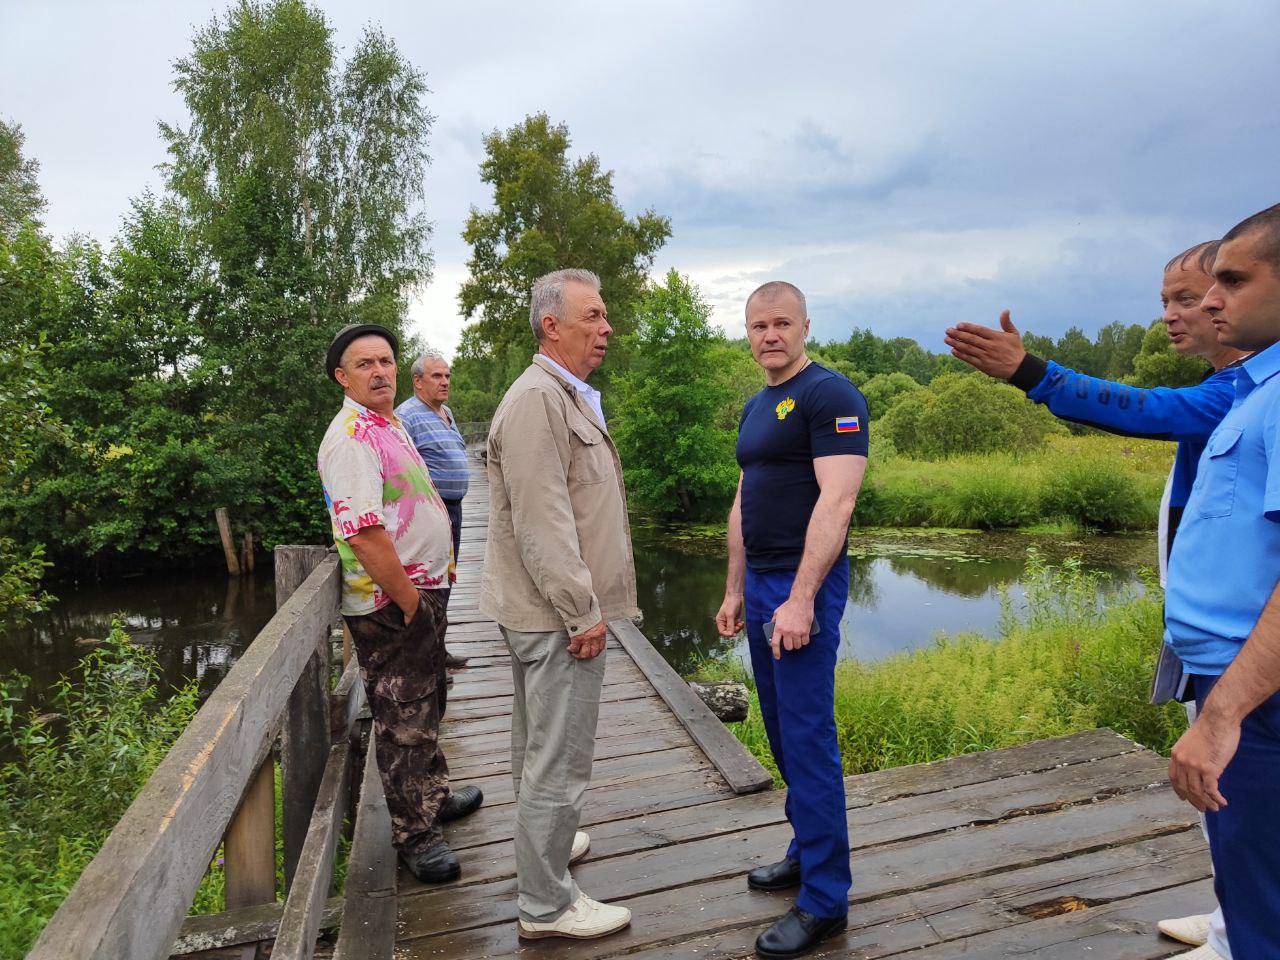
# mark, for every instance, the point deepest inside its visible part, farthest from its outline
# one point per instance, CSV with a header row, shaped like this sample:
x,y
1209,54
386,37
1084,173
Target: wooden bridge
x,y
1059,849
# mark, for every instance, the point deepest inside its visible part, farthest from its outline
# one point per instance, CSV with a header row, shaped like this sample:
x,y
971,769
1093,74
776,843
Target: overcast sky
x,y
907,164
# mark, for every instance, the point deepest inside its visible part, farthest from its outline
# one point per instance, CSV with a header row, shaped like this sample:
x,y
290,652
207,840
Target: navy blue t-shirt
x,y
817,413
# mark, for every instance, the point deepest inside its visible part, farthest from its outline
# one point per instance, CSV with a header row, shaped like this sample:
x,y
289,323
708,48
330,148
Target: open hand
x,y
997,353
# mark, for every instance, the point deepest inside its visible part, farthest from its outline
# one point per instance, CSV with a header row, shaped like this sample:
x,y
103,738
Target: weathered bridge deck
x,y
1064,848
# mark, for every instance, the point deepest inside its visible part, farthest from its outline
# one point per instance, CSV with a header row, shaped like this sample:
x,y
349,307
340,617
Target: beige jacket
x,y
559,550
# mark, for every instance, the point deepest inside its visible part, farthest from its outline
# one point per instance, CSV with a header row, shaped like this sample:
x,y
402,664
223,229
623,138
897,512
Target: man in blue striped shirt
x,y
434,432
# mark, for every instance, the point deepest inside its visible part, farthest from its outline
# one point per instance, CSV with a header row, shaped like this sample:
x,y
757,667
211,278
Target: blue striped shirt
x,y
440,444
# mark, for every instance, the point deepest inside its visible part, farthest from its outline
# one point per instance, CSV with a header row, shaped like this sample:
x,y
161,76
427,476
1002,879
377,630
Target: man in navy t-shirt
x,y
802,447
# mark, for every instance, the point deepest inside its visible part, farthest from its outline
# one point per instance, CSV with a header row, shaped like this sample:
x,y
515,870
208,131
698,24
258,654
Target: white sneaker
x,y
582,921
581,844
1205,952
1193,930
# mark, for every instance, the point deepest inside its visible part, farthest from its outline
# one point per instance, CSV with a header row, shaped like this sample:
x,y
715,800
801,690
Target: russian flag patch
x,y
847,425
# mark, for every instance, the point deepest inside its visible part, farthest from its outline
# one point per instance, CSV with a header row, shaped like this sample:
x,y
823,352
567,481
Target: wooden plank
x,y
250,844
213,931
740,769
369,900
890,869
304,735
131,900
890,926
300,922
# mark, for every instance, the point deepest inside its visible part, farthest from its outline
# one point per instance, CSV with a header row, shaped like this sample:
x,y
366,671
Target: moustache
x,y
378,382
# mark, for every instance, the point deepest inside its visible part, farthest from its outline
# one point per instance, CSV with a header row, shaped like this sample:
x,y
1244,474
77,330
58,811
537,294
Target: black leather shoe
x,y
795,933
435,864
459,803
453,660
775,876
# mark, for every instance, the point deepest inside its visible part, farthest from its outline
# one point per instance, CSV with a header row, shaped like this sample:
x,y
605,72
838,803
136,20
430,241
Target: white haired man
x,y
557,566
432,428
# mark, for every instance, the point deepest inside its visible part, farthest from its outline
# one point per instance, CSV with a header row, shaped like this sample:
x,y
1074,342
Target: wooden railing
x,y
217,784
474,431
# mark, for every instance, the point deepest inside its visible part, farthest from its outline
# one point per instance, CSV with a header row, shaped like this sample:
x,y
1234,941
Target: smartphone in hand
x,y
814,630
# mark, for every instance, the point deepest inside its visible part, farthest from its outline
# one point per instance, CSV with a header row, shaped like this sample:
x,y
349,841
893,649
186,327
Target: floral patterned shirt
x,y
373,476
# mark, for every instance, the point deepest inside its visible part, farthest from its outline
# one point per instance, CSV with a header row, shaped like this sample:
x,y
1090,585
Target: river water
x,y
905,588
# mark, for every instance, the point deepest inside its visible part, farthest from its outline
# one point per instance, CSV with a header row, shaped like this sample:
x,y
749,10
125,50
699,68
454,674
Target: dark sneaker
x,y
453,660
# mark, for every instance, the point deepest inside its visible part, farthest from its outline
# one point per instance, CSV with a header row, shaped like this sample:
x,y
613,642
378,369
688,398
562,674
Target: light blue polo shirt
x,y
1226,556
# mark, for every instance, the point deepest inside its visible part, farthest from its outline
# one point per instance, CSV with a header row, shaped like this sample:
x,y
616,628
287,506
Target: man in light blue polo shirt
x,y
430,425
1222,609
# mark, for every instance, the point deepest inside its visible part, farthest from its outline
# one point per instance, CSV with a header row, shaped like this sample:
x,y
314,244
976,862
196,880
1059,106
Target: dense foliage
x,y
185,359
674,407
109,730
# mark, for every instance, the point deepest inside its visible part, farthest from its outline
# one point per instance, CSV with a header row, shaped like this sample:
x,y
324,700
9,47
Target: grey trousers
x,y
553,740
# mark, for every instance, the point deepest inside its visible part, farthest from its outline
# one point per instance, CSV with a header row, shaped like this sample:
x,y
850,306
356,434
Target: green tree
x,y
966,413
674,416
1159,365
1117,347
549,213
28,269
300,181
884,390
21,201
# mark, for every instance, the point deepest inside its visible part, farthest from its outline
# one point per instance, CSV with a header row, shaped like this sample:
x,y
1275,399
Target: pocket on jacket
x,y
589,457
1218,474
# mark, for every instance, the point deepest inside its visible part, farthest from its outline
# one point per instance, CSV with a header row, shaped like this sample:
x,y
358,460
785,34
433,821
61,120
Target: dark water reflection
x,y
196,625
905,587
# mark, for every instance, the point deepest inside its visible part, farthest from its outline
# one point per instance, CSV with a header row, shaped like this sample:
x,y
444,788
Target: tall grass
x,y
1061,665
1099,482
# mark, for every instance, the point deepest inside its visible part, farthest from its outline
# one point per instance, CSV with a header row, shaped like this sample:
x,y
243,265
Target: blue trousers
x,y
1243,837
797,702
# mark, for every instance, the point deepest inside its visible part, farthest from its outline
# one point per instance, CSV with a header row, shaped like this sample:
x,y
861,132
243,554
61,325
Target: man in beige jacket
x,y
557,566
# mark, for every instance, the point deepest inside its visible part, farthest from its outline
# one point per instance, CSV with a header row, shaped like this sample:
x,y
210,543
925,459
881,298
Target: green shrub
x,y
966,413
1098,493
69,778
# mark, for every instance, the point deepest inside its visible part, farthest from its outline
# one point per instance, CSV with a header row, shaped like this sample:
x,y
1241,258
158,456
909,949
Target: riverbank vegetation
x,y
1062,665
70,769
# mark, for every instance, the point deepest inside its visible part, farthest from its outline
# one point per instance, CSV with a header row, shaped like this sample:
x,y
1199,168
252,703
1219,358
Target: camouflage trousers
x,y
405,682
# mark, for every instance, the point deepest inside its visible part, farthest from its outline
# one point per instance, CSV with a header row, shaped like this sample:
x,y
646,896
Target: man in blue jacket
x,y
1188,415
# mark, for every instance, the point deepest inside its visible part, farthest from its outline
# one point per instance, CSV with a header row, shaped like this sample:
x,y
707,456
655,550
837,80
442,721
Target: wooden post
x,y
249,849
304,737
228,547
246,553
346,645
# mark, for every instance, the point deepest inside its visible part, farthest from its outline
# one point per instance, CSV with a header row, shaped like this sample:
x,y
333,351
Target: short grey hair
x,y
547,296
779,288
420,365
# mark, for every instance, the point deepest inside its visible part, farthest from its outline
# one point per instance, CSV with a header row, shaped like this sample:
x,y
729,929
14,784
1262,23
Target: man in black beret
x,y
393,537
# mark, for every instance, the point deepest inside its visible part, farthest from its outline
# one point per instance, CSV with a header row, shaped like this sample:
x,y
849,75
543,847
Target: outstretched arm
x,y
1162,413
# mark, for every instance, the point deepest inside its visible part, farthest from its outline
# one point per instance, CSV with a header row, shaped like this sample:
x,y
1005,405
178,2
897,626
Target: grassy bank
x,y
1099,482
1061,666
